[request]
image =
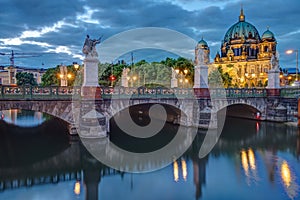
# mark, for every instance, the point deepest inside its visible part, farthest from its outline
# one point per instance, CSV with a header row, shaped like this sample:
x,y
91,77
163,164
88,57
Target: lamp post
x,y
182,76
76,65
78,78
290,52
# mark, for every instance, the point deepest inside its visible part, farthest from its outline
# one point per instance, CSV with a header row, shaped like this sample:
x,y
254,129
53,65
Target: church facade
x,y
244,54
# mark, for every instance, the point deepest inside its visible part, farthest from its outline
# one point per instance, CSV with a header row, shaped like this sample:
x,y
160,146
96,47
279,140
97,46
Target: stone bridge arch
x,y
245,107
188,108
59,109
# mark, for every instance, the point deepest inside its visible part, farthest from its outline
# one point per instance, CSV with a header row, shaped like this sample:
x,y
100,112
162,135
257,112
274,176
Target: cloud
x,y
87,15
50,25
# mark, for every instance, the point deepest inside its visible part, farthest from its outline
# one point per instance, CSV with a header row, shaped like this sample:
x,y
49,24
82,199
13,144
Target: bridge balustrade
x,y
57,92
292,92
37,92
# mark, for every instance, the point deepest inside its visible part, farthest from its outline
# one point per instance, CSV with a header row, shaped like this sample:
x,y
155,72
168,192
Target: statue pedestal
x,y
201,93
201,81
273,88
91,92
90,88
174,83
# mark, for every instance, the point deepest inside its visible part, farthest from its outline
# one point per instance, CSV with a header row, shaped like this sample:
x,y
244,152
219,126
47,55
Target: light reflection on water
x,y
24,118
263,158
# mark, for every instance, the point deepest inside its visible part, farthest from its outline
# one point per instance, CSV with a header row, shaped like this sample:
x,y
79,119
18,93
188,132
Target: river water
x,y
251,160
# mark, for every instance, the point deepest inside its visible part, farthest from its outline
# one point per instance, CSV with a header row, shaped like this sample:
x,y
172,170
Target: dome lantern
x,y
242,16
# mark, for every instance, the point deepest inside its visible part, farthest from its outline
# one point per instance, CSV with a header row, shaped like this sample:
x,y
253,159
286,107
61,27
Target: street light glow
x,y
69,76
290,51
76,65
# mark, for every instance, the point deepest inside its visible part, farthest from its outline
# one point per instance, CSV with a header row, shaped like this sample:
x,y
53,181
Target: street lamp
x,y
290,52
69,76
76,65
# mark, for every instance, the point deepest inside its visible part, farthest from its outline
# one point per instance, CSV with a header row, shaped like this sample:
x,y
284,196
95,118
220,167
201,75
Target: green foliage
x,y
106,70
155,73
217,78
25,78
51,77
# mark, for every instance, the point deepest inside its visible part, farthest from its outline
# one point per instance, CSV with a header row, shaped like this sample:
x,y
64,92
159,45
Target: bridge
x,y
187,109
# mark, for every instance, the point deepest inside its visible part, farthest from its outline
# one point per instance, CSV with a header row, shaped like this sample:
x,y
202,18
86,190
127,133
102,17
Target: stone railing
x,y
143,92
37,92
56,92
291,92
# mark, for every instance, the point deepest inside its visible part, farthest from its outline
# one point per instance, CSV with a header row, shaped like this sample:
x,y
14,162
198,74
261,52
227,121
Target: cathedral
x,y
244,54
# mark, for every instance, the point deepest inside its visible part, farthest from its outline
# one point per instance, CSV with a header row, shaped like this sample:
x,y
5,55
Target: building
x,y
8,74
244,54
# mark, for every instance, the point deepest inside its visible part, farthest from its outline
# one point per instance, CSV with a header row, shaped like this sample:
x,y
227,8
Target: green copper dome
x,y
202,43
241,30
268,35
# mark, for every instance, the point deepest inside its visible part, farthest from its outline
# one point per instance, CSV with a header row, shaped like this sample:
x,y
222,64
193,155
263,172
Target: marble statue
x,y
274,61
125,72
173,73
202,57
89,47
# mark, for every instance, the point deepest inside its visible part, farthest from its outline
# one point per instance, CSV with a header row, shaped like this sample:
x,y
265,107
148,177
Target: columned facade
x,y
245,55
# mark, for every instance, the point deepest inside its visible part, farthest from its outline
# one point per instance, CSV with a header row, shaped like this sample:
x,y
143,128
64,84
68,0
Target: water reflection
x,y
289,180
245,162
184,169
24,118
285,174
175,171
265,162
251,159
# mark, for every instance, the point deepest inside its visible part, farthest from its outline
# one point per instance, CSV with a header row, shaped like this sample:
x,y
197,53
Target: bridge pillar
x,y
92,123
208,118
273,88
90,87
201,75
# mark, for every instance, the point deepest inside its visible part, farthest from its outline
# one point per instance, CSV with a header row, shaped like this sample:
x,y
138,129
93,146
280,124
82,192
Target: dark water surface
x,y
252,160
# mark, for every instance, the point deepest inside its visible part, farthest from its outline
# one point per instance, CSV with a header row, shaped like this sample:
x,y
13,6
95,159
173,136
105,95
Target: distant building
x,y
244,54
8,74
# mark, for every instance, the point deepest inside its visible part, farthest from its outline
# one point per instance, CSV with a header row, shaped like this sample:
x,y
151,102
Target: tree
x,y
25,78
217,78
50,77
107,70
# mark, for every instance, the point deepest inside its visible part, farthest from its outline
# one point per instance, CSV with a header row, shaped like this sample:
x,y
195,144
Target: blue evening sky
x,y
57,28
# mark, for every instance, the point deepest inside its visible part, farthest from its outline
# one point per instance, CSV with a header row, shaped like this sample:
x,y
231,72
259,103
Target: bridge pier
x,y
92,123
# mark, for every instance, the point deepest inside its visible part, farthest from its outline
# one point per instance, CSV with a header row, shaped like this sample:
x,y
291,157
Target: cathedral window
x,y
266,49
250,34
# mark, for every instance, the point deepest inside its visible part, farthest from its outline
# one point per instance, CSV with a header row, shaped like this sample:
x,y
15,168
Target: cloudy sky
x,y
57,28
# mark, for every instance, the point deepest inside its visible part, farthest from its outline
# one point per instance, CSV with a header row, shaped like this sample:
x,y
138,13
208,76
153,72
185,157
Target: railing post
x,y
2,92
30,91
23,91
50,90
